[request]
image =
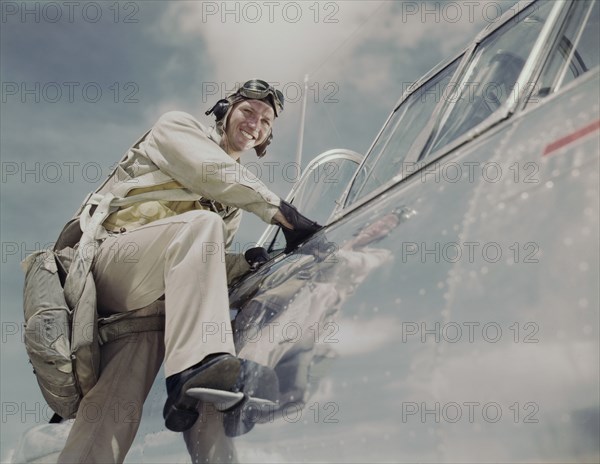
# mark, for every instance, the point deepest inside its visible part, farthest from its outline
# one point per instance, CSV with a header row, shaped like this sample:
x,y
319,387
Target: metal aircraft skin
x,y
449,309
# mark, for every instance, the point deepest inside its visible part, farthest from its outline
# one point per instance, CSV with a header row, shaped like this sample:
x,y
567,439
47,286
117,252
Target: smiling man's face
x,y
248,125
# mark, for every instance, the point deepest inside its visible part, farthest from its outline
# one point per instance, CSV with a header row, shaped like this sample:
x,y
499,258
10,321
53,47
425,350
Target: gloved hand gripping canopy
x,y
303,227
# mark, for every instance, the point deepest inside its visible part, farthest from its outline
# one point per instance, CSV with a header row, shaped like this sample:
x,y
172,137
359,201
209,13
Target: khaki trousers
x,y
183,258
109,416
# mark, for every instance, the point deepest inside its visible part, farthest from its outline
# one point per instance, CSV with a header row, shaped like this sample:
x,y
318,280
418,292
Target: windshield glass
x,y
492,74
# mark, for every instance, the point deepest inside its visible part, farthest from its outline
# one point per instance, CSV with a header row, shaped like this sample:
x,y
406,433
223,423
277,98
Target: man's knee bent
x,y
205,221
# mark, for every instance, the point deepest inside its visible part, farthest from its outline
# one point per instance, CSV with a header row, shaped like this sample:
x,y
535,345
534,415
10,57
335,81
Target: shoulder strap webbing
x,y
162,195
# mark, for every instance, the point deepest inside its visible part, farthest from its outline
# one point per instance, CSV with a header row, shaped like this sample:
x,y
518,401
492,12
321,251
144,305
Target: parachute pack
x,y
63,332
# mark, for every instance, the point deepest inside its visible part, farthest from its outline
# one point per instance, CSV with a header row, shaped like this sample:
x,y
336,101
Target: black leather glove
x,y
256,257
303,227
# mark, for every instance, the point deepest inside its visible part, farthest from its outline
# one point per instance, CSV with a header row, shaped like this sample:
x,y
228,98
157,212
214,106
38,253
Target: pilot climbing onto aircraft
x,y
172,244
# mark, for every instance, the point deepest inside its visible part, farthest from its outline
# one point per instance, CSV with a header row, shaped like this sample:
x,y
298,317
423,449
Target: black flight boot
x,y
215,371
219,372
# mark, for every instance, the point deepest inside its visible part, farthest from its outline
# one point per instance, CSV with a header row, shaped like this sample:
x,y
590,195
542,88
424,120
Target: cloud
x,y
360,337
505,375
41,443
155,445
279,40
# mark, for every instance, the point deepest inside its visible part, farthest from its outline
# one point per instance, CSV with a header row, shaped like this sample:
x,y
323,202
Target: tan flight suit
x,y
170,248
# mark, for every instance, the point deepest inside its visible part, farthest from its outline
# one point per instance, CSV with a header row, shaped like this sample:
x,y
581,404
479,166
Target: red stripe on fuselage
x,y
566,140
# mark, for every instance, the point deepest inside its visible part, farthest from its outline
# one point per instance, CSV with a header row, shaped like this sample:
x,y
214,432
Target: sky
x,y
82,80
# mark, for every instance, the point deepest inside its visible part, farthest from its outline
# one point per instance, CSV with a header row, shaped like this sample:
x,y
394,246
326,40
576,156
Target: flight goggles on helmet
x,y
255,89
